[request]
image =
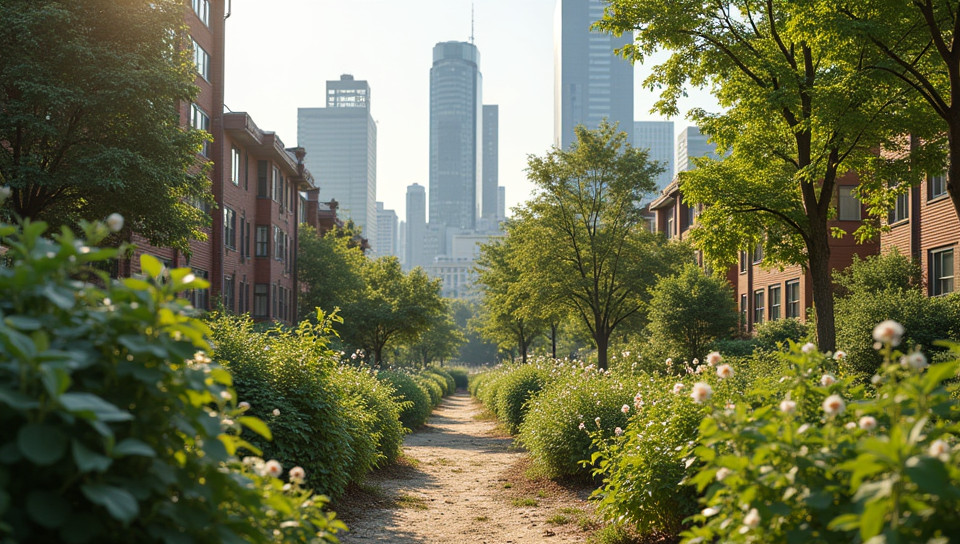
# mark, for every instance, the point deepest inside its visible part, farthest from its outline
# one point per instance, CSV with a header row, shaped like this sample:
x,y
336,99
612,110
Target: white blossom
x,y
752,519
714,358
701,392
115,222
834,405
809,347
724,371
888,332
868,423
788,406
827,380
915,360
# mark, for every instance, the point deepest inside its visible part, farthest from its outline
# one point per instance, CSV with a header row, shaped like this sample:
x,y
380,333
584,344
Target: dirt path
x,y
464,483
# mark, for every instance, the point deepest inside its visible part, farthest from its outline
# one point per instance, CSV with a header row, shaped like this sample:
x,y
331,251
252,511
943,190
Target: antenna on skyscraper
x,y
471,23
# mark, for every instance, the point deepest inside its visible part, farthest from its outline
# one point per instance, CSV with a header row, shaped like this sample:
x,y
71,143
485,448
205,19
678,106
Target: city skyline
x,y
317,44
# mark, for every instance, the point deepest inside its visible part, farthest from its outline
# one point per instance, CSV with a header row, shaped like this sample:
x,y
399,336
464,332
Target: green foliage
x,y
842,464
449,383
515,389
772,335
688,311
460,376
90,119
878,273
736,347
414,398
329,266
433,385
378,413
117,426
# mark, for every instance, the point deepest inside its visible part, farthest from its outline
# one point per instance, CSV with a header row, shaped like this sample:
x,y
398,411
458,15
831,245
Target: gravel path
x,y
463,482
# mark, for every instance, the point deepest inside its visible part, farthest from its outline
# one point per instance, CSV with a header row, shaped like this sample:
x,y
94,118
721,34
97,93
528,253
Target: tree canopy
x,y
329,268
89,120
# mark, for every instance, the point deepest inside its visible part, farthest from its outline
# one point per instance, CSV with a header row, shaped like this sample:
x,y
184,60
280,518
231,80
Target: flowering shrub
x,y
515,387
831,461
448,383
413,397
116,425
433,385
376,404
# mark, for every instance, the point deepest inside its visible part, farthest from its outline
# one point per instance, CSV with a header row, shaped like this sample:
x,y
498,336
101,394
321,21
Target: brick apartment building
x,y
249,256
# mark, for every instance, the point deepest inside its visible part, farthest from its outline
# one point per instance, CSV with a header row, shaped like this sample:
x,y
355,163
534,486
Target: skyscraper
x,y
690,144
386,231
491,177
456,154
342,143
657,136
416,225
590,82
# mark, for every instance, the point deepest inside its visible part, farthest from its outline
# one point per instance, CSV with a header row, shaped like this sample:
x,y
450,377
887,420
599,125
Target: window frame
x,y
941,181
201,8
938,278
261,300
229,227
841,216
200,120
262,241
900,211
773,310
236,158
758,306
793,306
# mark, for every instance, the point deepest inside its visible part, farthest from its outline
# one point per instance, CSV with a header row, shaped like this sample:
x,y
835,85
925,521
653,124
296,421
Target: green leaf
x,y
118,501
17,400
221,376
23,323
18,344
41,444
871,522
256,425
845,522
930,475
132,446
55,380
137,285
88,404
59,296
88,460
47,508
150,265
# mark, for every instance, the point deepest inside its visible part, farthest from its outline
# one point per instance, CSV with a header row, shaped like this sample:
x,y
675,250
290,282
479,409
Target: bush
x,y
842,464
116,425
449,384
413,397
878,273
433,385
772,335
460,376
376,399
515,388
736,347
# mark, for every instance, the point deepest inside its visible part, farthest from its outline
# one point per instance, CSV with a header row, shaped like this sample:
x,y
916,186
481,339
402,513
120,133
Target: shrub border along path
x,y
462,481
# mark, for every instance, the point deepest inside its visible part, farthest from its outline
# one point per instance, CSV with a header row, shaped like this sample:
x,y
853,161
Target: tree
x,y
89,121
330,268
393,307
583,239
475,349
690,310
801,109
439,341
503,318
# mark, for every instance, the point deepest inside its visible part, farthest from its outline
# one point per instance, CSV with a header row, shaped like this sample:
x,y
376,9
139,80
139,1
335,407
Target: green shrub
x,y
842,464
450,385
374,399
878,273
413,397
516,387
432,384
551,429
460,376
737,347
772,335
116,425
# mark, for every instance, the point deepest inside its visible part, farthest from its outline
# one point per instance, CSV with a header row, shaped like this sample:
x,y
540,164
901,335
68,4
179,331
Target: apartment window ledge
x,y
938,198
899,223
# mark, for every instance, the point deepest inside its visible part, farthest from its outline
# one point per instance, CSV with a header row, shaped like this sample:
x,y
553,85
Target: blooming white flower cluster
x,y
115,222
701,392
5,193
827,380
834,405
625,408
868,423
839,355
297,475
809,347
940,449
724,371
788,406
678,388
750,521
914,360
271,468
888,332
713,358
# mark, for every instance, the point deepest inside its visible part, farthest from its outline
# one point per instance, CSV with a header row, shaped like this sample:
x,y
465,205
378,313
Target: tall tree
x,y
583,239
439,341
330,268
800,109
89,123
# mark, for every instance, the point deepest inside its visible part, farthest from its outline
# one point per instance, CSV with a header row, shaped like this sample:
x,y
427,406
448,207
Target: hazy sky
x,y
279,55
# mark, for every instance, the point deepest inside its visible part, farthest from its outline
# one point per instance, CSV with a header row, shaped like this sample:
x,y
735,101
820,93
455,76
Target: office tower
x,y
690,144
402,244
456,116
341,143
491,145
657,136
501,202
590,82
386,231
416,222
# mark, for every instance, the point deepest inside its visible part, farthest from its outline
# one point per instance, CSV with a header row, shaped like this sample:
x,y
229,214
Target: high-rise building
x,y
386,231
342,139
491,145
416,223
691,143
657,136
501,202
456,153
590,82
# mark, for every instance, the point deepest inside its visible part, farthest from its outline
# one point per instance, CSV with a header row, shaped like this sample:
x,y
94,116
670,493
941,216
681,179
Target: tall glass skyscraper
x,y
456,119
416,226
590,82
491,178
657,136
341,140
691,143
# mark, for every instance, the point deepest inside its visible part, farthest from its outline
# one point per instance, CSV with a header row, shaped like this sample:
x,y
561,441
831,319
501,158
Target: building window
x,y
262,179
246,241
758,307
743,262
202,9
235,166
277,185
273,296
200,121
201,59
743,311
793,298
757,255
773,298
263,241
941,271
282,296
199,298
901,209
936,185
261,300
229,228
227,297
670,225
848,207
279,244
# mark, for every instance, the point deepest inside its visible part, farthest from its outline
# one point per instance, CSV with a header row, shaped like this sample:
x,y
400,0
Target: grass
x,y
559,519
405,460
370,489
481,518
507,485
409,501
526,501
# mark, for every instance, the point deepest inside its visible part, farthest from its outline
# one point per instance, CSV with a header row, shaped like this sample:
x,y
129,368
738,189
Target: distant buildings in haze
x,y
657,136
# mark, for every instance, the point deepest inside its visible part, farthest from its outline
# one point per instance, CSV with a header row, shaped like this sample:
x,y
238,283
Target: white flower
x,y
809,347
888,332
597,421
115,222
868,423
669,361
939,448
225,395
803,428
677,388
714,358
915,360
839,355
752,519
276,411
625,408
711,511
701,392
827,380
272,468
244,405
696,361
5,193
618,431
723,473
850,425
788,406
297,474
834,405
724,371
189,278
582,426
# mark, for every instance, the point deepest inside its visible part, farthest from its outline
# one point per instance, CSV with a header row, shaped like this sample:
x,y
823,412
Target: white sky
x,y
280,53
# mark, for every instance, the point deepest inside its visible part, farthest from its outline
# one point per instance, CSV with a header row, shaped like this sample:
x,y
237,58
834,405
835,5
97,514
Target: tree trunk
x,y
602,340
953,168
818,249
